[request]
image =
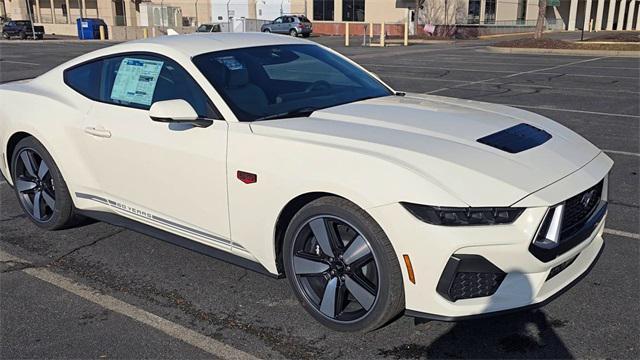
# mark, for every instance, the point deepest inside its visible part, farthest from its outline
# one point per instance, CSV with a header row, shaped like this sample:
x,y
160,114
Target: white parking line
x,y
621,152
572,110
19,62
439,68
517,74
193,338
622,233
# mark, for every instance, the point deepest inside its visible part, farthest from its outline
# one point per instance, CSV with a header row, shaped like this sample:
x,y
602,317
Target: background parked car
x,y
209,28
293,25
22,29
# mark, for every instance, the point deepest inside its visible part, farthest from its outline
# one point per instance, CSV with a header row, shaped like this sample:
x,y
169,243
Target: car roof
x,y
200,43
181,46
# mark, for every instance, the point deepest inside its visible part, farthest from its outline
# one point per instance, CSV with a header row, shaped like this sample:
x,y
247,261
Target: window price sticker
x,y
136,80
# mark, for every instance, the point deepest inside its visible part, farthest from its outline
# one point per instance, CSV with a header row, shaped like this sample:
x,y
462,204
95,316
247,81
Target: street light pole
x,y
33,29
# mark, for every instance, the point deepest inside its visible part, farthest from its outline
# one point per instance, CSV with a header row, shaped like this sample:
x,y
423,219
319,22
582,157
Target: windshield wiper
x,y
305,111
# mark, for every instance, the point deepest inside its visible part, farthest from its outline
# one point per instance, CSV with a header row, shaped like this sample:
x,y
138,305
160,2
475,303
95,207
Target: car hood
x,y
437,138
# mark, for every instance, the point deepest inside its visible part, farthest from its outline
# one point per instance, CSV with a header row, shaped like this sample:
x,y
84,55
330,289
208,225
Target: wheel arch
x,y
284,219
13,141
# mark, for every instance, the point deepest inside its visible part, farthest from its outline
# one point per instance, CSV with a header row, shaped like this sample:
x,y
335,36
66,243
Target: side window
x,y
85,79
140,80
278,20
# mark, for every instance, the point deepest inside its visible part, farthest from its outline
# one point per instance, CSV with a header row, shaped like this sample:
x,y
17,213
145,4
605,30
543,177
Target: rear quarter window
x,y
85,79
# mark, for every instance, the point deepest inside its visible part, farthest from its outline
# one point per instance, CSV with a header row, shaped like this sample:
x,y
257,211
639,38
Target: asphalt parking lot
x,y
101,291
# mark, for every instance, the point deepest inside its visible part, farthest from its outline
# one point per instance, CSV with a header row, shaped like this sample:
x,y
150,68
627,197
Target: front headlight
x,y
455,216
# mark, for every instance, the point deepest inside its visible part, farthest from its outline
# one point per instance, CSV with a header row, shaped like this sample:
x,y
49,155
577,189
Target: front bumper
x,y
527,281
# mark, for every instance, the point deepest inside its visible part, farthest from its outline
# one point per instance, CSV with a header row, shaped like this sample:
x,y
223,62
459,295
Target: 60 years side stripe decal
x,y
148,216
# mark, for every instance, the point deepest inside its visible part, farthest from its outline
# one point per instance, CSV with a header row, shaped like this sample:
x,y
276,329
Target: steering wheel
x,y
318,85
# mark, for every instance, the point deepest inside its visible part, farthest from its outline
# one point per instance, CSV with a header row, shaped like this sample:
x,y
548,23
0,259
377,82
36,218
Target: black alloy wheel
x,y
335,267
35,185
342,267
40,187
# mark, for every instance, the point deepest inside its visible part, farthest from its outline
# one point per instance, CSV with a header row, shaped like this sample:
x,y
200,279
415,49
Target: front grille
x,y
467,285
580,216
578,209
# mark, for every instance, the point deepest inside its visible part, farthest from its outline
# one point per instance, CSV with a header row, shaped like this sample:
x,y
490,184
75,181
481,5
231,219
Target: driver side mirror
x,y
176,111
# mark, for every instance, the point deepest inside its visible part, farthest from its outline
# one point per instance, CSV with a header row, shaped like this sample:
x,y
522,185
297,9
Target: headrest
x,y
237,77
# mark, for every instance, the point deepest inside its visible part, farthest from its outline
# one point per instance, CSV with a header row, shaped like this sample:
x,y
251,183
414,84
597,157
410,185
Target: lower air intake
x,y
467,285
469,276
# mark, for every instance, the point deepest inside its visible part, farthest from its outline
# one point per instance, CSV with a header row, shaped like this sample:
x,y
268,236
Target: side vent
x,y
517,138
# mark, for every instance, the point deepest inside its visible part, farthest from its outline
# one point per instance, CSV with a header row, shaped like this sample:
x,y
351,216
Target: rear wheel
x,y
39,186
342,266
23,35
6,36
293,32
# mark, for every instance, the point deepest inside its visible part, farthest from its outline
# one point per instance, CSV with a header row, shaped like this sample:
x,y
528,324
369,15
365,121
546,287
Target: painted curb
x,y
505,50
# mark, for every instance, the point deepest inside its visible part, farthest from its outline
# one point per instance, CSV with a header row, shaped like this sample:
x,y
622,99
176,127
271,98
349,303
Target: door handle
x,y
98,131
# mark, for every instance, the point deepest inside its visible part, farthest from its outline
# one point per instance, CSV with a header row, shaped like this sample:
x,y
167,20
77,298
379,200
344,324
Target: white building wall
x,y
271,9
221,10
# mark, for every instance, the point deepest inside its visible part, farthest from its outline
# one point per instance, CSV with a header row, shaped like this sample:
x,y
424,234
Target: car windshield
x,y
204,28
23,23
282,81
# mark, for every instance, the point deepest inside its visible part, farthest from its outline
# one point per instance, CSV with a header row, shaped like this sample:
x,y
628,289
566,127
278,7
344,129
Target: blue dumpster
x,y
89,28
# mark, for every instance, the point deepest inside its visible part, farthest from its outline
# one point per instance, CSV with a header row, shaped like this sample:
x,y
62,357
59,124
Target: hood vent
x,y
517,138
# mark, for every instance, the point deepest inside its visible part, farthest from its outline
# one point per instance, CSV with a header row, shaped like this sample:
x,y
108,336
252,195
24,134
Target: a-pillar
x,y
587,16
599,15
630,11
621,10
612,10
573,10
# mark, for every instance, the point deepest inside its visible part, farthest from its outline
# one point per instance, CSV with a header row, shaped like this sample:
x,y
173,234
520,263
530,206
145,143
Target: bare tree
x,y
542,10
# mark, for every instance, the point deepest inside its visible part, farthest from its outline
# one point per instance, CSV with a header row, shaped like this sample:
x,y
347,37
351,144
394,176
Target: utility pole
x,y
197,22
33,29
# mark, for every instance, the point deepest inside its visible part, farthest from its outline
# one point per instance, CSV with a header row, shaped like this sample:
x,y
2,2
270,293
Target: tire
x,y
267,30
40,37
45,187
23,35
6,36
293,33
364,287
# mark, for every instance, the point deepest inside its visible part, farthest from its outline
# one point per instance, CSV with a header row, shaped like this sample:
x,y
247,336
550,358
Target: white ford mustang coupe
x,y
282,156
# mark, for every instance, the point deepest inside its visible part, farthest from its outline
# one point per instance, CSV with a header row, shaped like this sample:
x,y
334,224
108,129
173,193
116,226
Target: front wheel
x,y
39,186
23,35
342,266
267,31
6,36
